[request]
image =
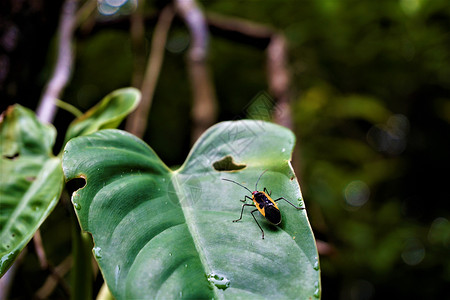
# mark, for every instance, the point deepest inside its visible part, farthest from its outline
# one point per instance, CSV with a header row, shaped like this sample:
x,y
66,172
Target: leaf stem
x,y
68,107
82,269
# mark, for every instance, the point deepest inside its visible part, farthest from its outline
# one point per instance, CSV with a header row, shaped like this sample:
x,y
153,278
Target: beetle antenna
x,y
256,185
237,184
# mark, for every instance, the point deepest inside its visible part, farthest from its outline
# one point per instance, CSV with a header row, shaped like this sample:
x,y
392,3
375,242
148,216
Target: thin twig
x,y
56,276
324,248
85,11
137,34
278,78
47,109
278,75
137,121
40,252
204,110
240,30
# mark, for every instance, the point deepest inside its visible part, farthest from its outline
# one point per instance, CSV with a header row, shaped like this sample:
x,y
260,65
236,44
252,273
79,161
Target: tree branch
x,y
278,79
56,277
240,30
137,34
204,110
61,73
39,247
265,37
137,121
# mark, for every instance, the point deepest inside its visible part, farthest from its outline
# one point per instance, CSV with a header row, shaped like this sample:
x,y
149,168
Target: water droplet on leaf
x,y
76,205
316,265
317,291
97,252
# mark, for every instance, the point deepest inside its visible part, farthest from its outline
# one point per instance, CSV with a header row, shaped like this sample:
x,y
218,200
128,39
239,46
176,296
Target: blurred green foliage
x,y
371,107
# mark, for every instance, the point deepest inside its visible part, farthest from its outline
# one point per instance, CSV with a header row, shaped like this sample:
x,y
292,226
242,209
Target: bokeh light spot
x,y
356,193
414,252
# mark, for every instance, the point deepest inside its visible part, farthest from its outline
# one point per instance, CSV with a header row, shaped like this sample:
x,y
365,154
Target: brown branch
x,y
56,276
278,78
47,109
137,121
240,30
324,248
137,34
262,36
279,81
278,75
86,11
204,110
56,273
39,247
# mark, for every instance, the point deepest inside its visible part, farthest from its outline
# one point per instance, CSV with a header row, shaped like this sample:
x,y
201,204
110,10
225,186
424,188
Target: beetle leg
x,y
267,192
242,211
255,210
297,207
246,198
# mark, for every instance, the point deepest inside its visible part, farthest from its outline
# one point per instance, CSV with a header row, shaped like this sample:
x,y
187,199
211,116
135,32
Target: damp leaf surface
x,y
162,233
31,180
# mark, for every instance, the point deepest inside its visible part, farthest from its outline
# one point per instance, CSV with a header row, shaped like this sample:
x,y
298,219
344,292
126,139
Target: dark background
x,y
371,111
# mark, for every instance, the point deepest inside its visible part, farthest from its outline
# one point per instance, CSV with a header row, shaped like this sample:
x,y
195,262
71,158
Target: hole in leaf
x,y
30,178
227,164
14,156
219,281
75,184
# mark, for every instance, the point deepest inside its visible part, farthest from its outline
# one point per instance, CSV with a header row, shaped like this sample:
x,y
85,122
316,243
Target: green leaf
x,y
164,234
106,114
31,180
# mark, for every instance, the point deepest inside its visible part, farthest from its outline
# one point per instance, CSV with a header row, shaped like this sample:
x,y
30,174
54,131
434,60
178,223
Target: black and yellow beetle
x,y
264,204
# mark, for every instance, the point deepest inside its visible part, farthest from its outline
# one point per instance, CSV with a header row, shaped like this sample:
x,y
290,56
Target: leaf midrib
x,y
193,229
29,194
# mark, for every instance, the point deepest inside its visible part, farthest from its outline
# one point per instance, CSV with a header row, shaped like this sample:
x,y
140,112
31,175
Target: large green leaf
x,y
108,113
31,180
169,234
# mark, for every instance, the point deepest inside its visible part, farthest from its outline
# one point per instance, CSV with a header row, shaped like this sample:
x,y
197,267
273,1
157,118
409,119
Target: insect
x,y
264,204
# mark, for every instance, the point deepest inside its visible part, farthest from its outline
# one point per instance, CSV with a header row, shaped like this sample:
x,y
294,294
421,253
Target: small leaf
x,y
106,114
164,234
31,180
